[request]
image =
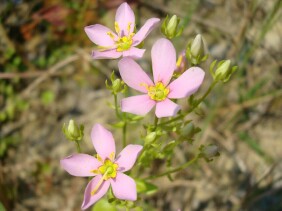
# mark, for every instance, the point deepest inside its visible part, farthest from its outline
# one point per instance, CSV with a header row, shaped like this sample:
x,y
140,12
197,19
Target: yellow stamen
x,y
99,183
112,156
95,171
145,85
128,27
108,170
111,35
179,60
117,27
158,92
99,158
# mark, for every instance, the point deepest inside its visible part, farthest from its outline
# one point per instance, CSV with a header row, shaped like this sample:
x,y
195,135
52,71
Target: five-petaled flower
x,y
160,91
122,43
106,169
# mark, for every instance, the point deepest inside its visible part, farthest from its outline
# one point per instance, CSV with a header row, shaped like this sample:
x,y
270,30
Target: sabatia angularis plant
x,y
105,168
159,91
171,81
122,43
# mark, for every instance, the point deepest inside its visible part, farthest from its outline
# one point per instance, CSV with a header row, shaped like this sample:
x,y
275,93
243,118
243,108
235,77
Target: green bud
x,y
189,130
150,137
223,71
196,51
117,85
73,128
197,47
209,152
170,28
73,132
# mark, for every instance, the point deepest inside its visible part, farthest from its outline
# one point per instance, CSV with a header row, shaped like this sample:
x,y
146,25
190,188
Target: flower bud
x,y
170,28
196,51
150,137
197,47
73,129
181,64
223,71
209,152
116,85
73,132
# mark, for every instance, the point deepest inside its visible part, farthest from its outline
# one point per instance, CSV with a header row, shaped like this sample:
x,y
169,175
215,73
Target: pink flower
x,y
106,169
123,42
160,91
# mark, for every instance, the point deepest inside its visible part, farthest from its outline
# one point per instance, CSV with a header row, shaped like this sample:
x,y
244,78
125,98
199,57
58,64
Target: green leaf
x,y
2,208
47,97
145,187
103,205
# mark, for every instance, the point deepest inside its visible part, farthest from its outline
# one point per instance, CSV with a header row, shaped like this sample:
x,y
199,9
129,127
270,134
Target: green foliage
x,y
6,142
145,187
103,205
2,208
47,97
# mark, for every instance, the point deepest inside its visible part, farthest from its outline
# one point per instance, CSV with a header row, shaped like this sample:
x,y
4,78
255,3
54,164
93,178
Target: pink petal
x,y
166,108
145,30
128,156
124,187
103,141
109,54
98,34
133,75
88,198
139,105
134,53
187,84
80,165
163,60
125,16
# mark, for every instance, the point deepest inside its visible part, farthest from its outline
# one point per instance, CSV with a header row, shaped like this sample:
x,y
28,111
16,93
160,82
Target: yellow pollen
x,y
128,27
179,60
112,156
111,35
158,92
124,43
99,158
117,27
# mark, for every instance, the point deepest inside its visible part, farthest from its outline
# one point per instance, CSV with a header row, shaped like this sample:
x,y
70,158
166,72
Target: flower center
x,y
124,43
108,170
158,92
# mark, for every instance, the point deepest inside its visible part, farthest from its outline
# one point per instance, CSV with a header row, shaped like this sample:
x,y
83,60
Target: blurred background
x,y
47,76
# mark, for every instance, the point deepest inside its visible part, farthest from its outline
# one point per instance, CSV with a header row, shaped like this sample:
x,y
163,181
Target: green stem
x,y
203,97
156,122
179,168
116,107
193,107
78,147
124,134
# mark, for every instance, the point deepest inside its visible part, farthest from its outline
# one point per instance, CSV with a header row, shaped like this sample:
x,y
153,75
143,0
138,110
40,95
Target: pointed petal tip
x,y
103,141
89,199
128,156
